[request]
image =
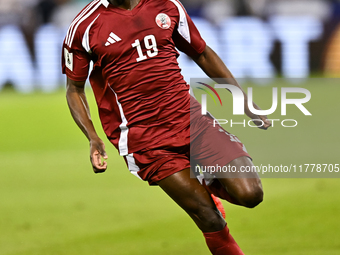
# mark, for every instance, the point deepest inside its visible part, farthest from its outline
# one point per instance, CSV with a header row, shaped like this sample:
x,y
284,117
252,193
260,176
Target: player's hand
x,y
262,122
97,152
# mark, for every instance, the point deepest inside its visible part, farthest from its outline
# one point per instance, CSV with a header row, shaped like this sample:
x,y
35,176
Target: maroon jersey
x,y
141,95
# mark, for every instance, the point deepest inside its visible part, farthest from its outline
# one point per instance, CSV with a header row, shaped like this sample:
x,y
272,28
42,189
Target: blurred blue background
x,y
255,38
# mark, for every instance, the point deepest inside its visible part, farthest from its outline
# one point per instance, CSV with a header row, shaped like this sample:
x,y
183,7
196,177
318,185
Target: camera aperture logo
x,y
239,104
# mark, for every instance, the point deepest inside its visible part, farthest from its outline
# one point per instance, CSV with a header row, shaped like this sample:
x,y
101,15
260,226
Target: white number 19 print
x,y
150,45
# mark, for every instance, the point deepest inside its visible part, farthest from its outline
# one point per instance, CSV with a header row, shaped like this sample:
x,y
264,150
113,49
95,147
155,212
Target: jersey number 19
x,y
150,45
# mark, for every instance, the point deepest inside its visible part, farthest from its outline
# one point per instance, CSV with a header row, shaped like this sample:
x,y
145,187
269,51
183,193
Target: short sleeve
x,y
75,60
186,36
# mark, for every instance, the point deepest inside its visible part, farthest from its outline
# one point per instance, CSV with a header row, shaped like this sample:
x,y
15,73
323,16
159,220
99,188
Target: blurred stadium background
x,y
256,38
52,203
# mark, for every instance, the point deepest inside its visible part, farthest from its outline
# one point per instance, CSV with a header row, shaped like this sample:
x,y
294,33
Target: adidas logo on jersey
x,y
112,39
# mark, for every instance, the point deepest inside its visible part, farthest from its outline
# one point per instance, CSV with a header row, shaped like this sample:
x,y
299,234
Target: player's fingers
x,y
266,123
102,151
95,159
103,154
100,169
263,122
258,122
98,165
103,166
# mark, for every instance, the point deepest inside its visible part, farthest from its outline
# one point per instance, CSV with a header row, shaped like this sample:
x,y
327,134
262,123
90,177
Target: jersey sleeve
x,y
75,59
186,36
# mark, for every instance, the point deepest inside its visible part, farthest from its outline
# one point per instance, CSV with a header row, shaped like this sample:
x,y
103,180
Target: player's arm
x,y
214,67
80,111
188,40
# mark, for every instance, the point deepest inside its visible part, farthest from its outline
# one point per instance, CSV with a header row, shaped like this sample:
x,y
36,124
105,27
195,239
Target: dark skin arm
x,y
214,67
80,111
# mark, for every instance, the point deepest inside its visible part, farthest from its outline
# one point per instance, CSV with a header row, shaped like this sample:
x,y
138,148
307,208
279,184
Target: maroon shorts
x,y
199,144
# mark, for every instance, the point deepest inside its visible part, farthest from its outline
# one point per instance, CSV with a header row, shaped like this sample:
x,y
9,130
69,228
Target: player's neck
x,y
125,4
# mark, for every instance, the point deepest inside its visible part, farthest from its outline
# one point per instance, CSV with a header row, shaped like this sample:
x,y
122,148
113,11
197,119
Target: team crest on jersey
x,y
163,21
